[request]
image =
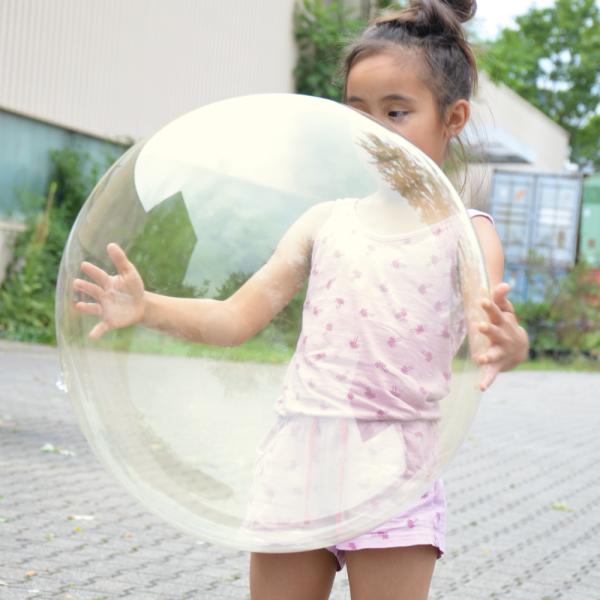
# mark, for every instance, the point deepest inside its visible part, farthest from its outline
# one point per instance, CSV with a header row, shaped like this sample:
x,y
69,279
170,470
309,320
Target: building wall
x,y
25,167
25,164
499,106
121,68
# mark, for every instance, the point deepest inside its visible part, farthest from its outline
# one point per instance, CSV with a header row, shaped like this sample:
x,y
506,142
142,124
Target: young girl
x,y
414,72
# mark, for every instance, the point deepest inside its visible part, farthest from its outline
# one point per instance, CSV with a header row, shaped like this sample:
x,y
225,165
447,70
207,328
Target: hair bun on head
x,y
464,9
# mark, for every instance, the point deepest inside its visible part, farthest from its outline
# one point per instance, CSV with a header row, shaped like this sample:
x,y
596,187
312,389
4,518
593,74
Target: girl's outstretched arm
x,y
121,299
509,341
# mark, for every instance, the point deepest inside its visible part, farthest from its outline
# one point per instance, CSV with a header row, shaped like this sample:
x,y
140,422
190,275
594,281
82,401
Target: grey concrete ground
x,y
523,495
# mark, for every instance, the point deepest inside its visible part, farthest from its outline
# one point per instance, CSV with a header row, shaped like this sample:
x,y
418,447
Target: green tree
x,y
321,32
161,251
323,29
286,325
552,60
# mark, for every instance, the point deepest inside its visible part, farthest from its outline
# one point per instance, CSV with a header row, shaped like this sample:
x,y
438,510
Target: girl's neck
x,y
386,212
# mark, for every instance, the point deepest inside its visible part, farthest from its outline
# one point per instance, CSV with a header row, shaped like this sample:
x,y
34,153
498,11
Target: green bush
x,y
26,310
322,32
567,320
284,329
27,293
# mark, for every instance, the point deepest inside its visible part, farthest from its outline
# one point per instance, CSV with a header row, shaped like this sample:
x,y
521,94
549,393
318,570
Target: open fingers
x,y
492,332
91,289
492,310
495,355
98,275
491,372
99,330
89,308
499,297
120,260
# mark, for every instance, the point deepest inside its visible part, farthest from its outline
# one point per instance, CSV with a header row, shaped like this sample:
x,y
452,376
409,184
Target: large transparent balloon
x,y
291,430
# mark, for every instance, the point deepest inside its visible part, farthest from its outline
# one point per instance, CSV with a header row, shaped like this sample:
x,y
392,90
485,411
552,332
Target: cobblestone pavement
x,y
523,495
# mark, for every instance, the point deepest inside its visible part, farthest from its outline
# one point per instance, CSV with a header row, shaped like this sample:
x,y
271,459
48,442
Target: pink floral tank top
x,y
382,321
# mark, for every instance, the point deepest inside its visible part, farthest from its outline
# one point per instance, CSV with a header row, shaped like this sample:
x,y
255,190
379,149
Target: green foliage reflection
x,y
162,250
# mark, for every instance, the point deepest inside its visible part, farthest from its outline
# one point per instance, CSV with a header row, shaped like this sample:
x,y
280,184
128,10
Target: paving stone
x,y
534,444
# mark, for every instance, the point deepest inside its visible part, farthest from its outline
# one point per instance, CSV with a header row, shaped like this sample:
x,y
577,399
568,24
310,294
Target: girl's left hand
x,y
509,343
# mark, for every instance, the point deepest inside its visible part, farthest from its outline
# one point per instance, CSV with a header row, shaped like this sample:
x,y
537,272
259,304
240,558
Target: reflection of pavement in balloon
x,y
210,415
185,432
211,429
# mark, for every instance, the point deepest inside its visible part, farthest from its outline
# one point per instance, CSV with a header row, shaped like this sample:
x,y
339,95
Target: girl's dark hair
x,y
433,28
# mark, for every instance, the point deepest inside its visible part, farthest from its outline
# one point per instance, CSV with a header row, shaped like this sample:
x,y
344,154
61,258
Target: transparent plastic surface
x,y
345,407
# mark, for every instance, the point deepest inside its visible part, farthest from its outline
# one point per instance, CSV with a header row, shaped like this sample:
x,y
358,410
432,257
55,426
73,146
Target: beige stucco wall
x,y
498,105
501,106
120,68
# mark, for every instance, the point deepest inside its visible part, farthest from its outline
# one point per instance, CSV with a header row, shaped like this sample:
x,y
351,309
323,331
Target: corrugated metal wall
x,y
537,219
116,68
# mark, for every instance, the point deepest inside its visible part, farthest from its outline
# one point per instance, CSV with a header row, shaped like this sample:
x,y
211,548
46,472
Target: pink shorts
x,y
423,523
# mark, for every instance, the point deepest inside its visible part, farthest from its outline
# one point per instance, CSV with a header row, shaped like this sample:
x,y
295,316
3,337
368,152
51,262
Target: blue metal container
x,y
537,218
539,213
529,283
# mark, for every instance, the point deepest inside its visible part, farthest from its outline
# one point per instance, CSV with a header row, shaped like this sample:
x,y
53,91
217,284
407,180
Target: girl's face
x,y
387,86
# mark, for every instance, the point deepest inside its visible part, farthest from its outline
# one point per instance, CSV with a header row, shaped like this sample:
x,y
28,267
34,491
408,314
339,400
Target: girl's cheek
x,y
399,126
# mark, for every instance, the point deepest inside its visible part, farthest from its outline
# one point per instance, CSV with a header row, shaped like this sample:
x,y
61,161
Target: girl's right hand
x,y
119,298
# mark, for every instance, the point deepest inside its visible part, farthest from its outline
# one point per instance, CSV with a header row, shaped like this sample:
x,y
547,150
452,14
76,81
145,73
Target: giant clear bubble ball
x,y
268,320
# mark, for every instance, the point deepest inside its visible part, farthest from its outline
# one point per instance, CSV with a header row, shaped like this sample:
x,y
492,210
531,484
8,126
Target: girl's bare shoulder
x,y
322,210
315,217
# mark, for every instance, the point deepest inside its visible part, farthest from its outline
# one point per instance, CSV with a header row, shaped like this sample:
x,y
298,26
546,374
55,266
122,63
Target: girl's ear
x,y
456,118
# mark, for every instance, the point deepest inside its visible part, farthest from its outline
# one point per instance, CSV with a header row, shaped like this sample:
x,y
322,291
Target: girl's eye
x,y
395,114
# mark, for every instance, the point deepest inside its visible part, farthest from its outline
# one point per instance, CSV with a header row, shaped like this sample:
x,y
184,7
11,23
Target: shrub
x,y
27,293
322,32
567,320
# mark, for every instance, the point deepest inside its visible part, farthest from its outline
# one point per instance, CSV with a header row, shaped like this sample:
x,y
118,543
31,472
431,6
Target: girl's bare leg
x,y
295,576
391,573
